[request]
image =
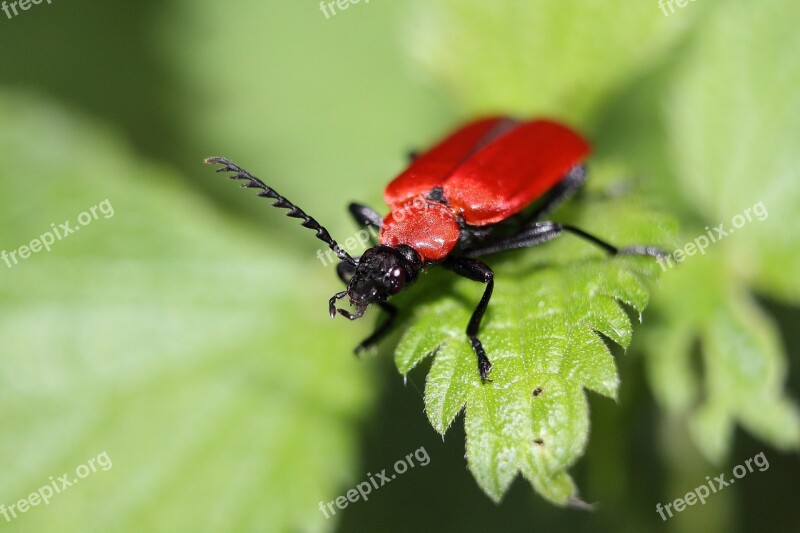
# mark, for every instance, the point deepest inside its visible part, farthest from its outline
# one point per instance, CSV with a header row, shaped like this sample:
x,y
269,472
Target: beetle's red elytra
x,y
483,173
484,189
493,168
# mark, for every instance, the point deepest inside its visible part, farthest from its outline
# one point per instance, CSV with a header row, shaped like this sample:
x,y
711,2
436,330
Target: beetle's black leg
x,y
332,302
381,330
345,271
532,235
368,218
365,216
518,224
636,249
560,193
477,271
541,232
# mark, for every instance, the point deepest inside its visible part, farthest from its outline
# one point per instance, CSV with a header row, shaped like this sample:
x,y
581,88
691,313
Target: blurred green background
x,y
187,335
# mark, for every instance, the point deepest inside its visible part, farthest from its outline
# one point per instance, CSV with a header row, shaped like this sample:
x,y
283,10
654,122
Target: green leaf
x,y
542,333
551,57
168,336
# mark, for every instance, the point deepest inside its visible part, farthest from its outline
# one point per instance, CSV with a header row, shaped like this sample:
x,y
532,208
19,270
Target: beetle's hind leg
x,y
541,232
636,249
569,185
515,228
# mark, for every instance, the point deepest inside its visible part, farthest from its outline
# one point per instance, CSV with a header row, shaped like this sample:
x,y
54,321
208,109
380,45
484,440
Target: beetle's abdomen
x,y
428,227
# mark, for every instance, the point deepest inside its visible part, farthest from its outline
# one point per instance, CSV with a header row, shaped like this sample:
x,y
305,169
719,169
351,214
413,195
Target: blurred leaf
x,y
321,105
732,128
541,57
542,334
743,361
165,335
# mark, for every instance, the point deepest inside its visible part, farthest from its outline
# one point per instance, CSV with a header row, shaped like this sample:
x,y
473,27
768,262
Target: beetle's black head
x,y
381,272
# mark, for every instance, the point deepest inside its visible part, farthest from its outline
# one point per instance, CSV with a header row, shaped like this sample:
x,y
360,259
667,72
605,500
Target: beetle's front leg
x,y
368,219
381,330
477,271
365,216
345,271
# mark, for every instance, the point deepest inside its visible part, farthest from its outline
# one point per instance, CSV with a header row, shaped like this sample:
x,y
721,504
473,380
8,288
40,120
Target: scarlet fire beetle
x,y
470,195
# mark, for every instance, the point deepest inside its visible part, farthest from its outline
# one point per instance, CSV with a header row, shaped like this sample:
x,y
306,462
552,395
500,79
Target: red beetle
x,y
466,197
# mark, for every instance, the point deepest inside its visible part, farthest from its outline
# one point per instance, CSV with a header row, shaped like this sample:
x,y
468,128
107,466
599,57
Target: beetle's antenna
x,y
253,182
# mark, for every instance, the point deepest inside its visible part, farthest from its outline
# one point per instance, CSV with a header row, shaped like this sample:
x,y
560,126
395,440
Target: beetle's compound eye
x,y
397,279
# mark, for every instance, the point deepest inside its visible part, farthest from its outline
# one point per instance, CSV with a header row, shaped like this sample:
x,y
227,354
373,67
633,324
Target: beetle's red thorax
x,y
429,227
